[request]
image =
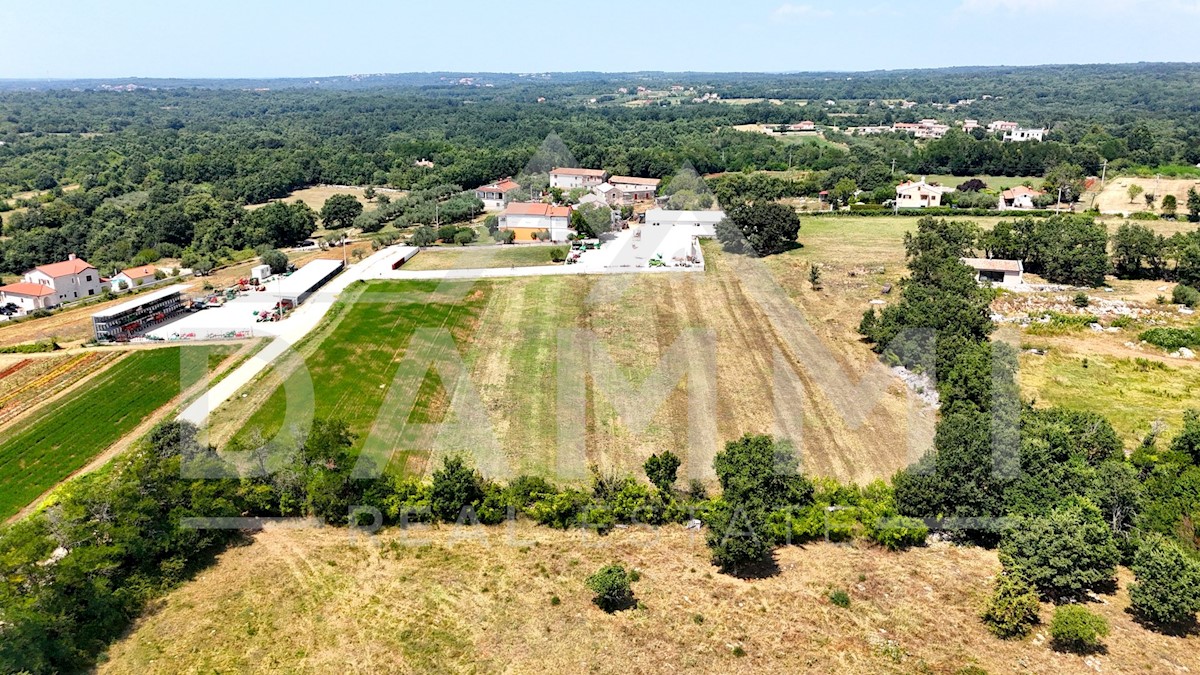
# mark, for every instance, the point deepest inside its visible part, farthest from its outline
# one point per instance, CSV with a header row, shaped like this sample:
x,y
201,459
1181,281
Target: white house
x,y
70,279
700,223
1019,197
493,195
567,178
919,194
1008,273
526,220
27,296
636,189
133,277
1020,135
1001,125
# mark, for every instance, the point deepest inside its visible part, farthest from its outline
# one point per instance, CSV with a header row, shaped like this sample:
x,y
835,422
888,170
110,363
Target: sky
x,y
298,38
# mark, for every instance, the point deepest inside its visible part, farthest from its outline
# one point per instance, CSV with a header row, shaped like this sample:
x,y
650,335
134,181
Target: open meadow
x,y
513,599
64,436
468,257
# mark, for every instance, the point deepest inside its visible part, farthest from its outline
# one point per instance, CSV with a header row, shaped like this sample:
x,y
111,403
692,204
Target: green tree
x,y
1063,553
1133,191
455,487
591,220
1012,610
340,210
1193,205
1169,206
760,228
424,235
612,588
1135,246
661,469
465,236
1065,177
759,475
276,259
1075,628
1187,443
1167,591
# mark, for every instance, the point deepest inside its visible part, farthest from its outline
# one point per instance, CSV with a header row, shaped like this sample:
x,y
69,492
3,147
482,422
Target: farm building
x,y
133,277
701,223
634,189
528,219
302,283
28,297
493,195
997,272
68,280
568,178
919,194
132,318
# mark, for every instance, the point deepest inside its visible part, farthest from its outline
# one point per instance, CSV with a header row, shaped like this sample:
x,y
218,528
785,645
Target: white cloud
x,y
790,11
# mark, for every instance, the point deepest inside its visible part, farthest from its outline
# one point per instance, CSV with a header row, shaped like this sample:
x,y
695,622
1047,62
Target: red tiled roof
x,y
633,180
140,272
506,185
65,268
26,288
993,264
537,209
1019,190
569,171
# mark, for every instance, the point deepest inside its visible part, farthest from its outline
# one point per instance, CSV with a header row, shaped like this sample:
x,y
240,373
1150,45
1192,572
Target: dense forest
x,y
168,165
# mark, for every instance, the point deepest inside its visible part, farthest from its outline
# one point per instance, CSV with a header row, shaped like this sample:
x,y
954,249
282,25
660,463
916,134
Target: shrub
x,y
1081,300
557,254
1167,590
1063,553
1075,628
735,538
1170,339
1012,610
612,589
1185,295
840,598
661,469
455,487
897,532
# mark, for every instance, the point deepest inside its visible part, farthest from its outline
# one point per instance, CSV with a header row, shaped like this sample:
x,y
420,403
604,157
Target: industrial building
x,y
297,286
133,317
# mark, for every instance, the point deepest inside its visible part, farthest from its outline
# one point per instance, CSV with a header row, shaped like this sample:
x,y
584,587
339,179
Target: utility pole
x,y
1103,173
893,166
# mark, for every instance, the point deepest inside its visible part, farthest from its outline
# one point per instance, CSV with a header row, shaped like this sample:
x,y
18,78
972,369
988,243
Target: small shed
x,y
260,272
1008,273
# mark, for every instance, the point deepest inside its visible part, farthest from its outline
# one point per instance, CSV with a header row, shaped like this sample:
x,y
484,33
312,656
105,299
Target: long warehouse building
x,y
134,317
302,283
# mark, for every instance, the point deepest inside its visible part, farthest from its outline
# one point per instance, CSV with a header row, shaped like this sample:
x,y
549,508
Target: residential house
x,y
970,125
493,195
528,219
636,189
1008,273
567,178
1001,125
28,297
133,277
70,279
611,194
1020,135
1019,197
919,194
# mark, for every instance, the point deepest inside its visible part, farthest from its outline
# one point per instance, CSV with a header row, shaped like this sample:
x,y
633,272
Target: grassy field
x,y
514,601
510,343
993,182
54,444
474,258
1114,198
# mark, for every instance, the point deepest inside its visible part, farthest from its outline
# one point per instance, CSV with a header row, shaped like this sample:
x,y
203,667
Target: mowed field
x,y
1114,198
576,371
468,257
513,600
62,438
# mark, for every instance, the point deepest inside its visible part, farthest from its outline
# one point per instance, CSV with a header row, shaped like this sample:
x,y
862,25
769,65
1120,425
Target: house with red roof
x,y
133,277
526,220
28,297
1019,197
494,195
66,281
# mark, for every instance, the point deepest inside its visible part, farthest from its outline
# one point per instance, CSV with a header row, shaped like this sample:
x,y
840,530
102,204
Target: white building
x,y
699,223
1008,273
1001,125
567,178
919,194
526,220
611,194
1019,197
133,277
28,297
494,195
69,280
1020,135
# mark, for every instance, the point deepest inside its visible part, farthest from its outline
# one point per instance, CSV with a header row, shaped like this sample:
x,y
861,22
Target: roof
x,y
1019,190
65,268
672,217
505,185
921,184
140,272
633,180
142,299
537,209
304,279
570,171
27,288
994,265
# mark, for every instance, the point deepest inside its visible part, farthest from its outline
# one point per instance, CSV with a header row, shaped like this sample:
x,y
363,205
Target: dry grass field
x,y
513,600
316,195
1114,198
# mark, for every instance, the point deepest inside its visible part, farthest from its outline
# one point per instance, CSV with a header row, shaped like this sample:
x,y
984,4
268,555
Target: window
x,y
89,277
91,291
